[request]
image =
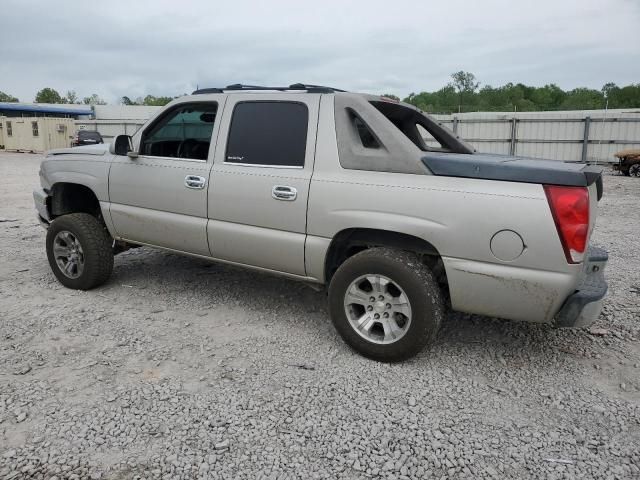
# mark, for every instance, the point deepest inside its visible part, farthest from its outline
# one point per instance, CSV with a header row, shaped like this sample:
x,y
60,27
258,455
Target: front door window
x,y
183,132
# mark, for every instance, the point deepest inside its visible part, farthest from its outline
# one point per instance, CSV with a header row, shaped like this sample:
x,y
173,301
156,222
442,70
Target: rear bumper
x,y
583,307
40,199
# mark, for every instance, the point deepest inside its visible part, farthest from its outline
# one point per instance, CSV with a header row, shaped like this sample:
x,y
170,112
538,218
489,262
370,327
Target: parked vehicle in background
x,y
629,162
87,137
369,196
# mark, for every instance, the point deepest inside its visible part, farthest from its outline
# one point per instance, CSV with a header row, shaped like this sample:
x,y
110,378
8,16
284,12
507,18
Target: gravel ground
x,y
178,368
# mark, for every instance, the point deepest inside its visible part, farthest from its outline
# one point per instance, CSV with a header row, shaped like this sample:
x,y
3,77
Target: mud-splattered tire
x,y
91,246
386,304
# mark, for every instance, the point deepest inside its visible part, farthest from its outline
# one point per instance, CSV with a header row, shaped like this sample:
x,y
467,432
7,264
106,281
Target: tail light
x,y
570,210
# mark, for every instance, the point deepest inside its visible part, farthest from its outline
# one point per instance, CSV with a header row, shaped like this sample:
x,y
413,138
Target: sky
x,y
134,48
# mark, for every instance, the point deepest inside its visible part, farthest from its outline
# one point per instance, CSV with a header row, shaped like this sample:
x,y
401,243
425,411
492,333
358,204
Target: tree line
x,y
462,94
50,95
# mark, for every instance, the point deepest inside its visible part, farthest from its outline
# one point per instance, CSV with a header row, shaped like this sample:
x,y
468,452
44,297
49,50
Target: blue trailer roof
x,y
21,107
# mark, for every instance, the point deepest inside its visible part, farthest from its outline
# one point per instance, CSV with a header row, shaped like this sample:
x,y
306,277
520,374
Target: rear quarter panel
x,y
458,217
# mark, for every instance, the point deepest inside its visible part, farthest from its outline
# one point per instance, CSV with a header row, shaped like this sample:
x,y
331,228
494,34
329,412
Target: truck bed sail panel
x,y
512,169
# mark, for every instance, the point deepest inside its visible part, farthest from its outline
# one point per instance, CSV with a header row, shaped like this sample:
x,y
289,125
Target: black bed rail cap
x,y
486,166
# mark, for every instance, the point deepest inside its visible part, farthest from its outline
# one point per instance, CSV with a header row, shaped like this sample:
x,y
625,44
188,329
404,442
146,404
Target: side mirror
x,y
121,145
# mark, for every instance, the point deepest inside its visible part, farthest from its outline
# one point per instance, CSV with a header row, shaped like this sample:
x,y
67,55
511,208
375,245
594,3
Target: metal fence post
x,y
585,138
512,147
455,125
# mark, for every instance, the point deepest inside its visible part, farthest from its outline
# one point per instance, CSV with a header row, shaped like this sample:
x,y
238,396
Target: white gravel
x,y
178,368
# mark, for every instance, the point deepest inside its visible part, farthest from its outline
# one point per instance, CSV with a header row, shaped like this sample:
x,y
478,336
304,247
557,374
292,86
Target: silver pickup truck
x,y
371,197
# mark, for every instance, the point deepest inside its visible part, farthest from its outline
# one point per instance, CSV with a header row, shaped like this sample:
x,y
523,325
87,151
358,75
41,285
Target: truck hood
x,y
99,149
514,169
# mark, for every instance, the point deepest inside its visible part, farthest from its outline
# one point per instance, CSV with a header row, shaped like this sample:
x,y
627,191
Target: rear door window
x,y
268,133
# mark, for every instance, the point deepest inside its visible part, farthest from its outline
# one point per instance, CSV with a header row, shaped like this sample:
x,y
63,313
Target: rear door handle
x,y
284,192
195,181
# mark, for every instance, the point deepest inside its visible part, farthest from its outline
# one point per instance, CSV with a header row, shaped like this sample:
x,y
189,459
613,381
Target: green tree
x,y
608,88
48,95
466,86
625,97
127,101
156,101
5,97
583,99
465,82
94,99
391,96
71,97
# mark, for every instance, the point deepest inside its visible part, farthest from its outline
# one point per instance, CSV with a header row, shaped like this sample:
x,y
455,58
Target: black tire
x,y
97,248
411,275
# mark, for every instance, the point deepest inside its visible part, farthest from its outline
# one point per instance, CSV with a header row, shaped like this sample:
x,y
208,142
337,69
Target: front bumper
x,y
40,198
583,307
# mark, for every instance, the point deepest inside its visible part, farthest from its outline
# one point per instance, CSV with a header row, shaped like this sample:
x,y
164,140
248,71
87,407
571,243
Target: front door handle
x,y
284,192
195,181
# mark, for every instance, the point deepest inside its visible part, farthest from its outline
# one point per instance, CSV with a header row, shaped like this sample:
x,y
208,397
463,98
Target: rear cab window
x,y
86,134
268,133
366,136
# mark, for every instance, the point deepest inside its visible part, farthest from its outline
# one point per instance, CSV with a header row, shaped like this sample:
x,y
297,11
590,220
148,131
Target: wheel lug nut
x,y
388,305
372,299
381,297
385,315
369,308
376,316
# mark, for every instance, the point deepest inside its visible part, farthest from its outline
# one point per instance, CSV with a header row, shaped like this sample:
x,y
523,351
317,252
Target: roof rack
x,y
294,86
206,90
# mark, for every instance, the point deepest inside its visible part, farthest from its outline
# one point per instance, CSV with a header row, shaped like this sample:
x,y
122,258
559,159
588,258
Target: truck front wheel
x,y
79,250
386,304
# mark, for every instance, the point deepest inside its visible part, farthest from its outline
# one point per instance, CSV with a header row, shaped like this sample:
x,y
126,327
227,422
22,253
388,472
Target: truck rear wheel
x,y
79,250
385,304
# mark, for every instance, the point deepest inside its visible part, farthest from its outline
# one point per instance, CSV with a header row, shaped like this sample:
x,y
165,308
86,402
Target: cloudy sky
x,y
134,48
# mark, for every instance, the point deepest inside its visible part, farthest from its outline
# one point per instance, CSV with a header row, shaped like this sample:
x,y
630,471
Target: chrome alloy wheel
x,y
378,309
68,254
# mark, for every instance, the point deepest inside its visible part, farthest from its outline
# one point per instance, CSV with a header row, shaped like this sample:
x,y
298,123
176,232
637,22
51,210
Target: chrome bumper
x,y
583,307
40,200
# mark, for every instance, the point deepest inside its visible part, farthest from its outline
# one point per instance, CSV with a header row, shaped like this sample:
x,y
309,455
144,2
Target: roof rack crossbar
x,y
294,86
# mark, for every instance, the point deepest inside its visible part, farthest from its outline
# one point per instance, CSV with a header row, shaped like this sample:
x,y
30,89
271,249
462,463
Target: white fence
x,y
590,136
